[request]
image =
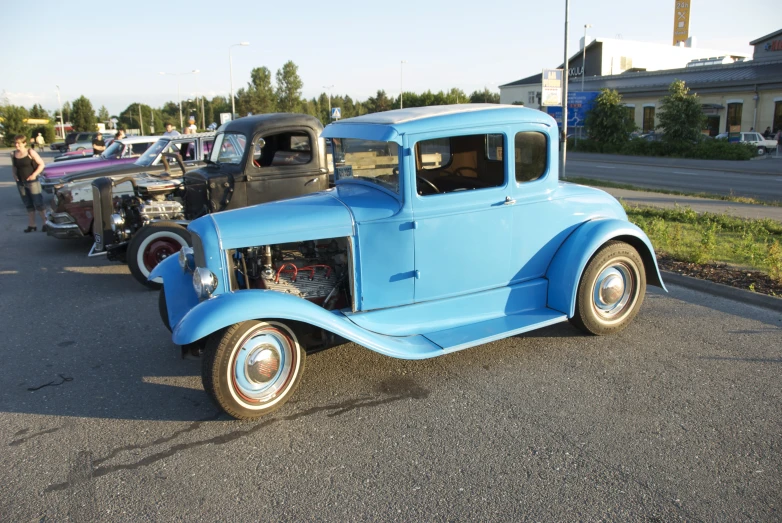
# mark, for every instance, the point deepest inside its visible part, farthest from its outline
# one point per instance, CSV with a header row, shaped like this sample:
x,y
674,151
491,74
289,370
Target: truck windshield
x,y
367,160
228,148
113,151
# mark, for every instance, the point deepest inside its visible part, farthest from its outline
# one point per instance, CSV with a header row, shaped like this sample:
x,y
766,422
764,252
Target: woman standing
x,y
26,166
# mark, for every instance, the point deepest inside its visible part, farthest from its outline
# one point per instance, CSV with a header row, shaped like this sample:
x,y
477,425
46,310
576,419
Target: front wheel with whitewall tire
x,y
761,151
611,290
252,368
153,244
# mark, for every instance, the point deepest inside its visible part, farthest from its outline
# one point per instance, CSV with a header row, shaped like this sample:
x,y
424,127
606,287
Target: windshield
x,y
150,154
228,148
113,151
374,162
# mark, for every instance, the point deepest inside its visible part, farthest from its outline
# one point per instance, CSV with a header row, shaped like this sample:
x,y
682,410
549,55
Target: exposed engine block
x,y
161,210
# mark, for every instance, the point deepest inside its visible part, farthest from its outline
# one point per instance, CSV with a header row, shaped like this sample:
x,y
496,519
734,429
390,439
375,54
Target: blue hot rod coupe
x,y
447,228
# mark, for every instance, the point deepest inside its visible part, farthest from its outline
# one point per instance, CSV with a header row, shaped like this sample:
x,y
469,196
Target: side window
x,y
459,163
137,149
284,149
531,153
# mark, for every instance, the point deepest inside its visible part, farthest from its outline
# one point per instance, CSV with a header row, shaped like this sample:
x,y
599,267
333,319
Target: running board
x,y
482,332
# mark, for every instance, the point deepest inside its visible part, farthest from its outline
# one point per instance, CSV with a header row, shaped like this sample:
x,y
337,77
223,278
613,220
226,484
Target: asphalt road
x,y
676,418
685,176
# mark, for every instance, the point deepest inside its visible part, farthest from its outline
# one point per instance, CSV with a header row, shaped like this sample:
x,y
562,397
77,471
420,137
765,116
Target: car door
x,y
463,229
285,166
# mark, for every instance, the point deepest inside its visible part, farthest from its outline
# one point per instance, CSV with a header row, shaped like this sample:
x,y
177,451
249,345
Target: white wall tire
x,y
151,245
252,368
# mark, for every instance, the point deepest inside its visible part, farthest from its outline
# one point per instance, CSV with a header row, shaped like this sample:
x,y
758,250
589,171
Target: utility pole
x,y
62,118
565,69
328,89
140,121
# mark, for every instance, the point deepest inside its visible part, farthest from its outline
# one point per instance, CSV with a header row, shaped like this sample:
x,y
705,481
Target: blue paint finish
x,y
568,264
224,310
178,286
308,217
438,315
491,330
431,274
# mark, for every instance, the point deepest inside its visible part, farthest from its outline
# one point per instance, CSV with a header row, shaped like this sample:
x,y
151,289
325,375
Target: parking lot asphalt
x,y
676,418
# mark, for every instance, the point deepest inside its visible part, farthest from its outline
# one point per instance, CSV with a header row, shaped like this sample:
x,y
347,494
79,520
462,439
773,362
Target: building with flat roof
x,y
734,91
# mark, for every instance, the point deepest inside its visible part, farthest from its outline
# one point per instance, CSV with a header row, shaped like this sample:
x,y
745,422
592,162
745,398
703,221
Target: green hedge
x,y
705,150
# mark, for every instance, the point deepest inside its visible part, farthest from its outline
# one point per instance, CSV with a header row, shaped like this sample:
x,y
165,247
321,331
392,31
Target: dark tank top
x,y
24,166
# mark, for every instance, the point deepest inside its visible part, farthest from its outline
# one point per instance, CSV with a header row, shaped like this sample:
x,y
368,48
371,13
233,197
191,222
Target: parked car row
x,y
447,227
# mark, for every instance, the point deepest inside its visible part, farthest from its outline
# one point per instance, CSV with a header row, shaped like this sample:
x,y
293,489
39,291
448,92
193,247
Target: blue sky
x,y
113,55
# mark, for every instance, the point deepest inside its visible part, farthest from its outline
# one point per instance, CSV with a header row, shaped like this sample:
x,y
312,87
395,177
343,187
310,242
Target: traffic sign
x,y
336,113
579,103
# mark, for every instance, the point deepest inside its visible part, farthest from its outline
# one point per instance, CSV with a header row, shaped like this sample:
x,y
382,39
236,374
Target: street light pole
x,y
401,88
231,65
328,89
62,118
179,95
584,57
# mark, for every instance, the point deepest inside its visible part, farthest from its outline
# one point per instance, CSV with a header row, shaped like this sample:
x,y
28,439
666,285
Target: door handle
x,y
311,181
509,201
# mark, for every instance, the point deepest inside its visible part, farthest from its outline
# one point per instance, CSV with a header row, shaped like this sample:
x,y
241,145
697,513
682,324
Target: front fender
x,y
564,272
178,286
227,309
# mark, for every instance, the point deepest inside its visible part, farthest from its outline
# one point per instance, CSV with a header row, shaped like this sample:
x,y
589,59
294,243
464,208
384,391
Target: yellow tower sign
x,y
681,21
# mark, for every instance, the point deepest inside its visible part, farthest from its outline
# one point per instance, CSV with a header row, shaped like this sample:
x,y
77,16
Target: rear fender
x,y
564,272
227,309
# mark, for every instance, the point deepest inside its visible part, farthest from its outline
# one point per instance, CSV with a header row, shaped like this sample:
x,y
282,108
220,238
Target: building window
x,y
734,116
648,123
631,114
777,117
531,98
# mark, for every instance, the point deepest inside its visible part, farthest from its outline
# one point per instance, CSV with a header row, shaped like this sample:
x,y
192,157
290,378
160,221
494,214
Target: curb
x,y
722,170
723,291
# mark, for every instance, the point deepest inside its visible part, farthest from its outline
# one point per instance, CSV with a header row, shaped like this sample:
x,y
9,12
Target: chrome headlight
x,y
204,282
117,221
187,259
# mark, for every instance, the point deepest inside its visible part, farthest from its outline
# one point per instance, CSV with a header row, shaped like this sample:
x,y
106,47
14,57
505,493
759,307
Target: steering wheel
x,y
458,171
427,183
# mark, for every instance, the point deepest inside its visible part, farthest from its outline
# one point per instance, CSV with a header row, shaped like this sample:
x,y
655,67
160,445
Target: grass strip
x,y
708,238
613,185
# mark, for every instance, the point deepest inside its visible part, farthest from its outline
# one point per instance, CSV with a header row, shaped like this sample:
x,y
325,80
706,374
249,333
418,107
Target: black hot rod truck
x,y
254,160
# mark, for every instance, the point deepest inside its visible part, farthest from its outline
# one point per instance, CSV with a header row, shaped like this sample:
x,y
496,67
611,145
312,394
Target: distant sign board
x,y
579,103
681,21
336,113
552,87
225,117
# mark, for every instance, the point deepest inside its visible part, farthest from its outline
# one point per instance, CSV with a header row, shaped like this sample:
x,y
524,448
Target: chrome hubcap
x,y
262,365
613,290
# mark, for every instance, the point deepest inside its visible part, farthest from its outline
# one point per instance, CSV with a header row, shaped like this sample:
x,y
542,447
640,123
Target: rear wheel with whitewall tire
x,y
252,368
611,290
153,244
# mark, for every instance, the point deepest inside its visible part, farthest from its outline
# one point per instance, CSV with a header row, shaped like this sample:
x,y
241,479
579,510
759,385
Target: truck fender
x,y
564,271
227,309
